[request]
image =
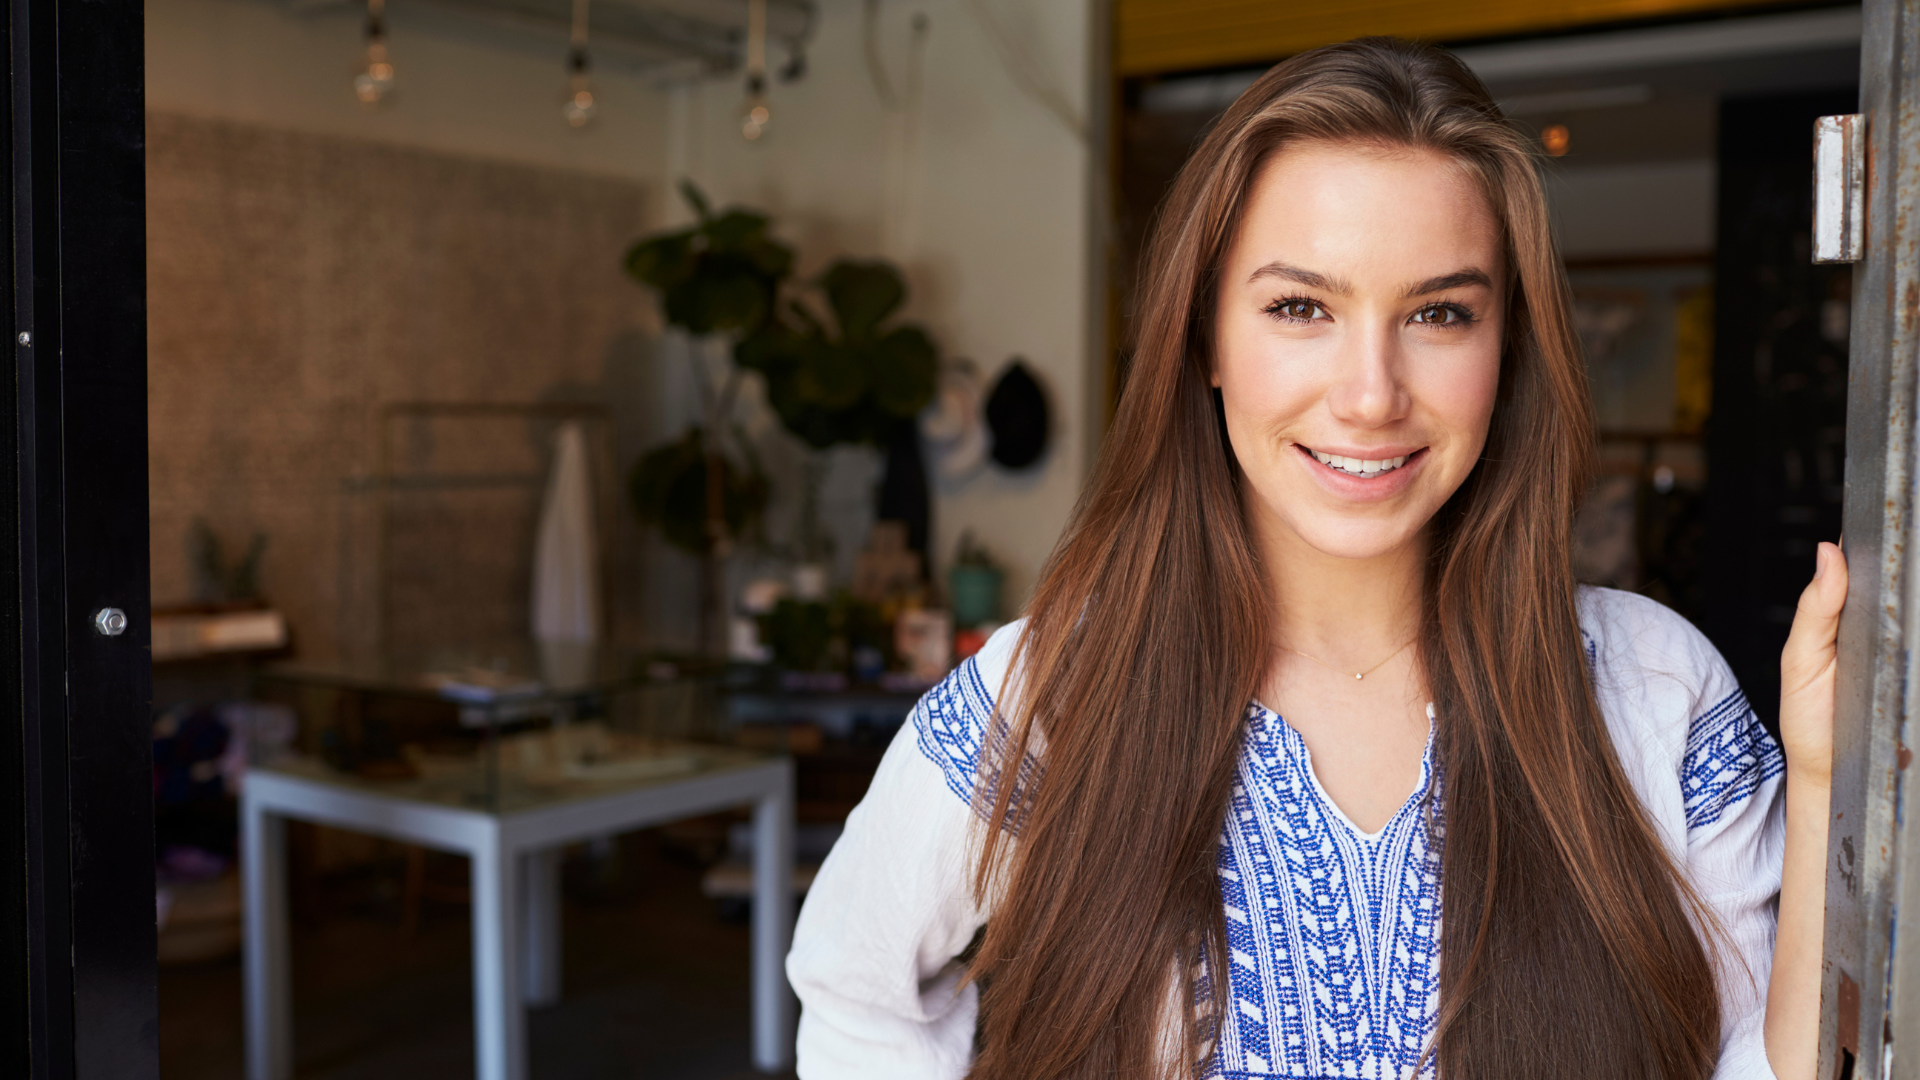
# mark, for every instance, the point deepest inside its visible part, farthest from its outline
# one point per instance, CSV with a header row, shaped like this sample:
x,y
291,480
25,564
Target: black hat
x,y
1017,417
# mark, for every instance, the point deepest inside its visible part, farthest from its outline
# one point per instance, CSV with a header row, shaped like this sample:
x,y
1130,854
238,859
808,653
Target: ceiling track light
x,y
755,115
579,106
374,81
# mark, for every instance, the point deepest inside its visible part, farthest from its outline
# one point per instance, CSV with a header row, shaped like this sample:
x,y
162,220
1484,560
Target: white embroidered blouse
x,y
1333,934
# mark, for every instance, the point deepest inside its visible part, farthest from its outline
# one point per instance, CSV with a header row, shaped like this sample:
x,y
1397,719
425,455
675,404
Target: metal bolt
x,y
26,338
110,621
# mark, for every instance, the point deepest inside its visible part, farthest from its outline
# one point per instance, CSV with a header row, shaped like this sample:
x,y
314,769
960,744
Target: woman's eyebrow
x,y
1459,279
1309,278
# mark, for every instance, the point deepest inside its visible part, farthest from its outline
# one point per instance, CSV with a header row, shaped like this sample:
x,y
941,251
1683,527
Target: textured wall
x,y
297,282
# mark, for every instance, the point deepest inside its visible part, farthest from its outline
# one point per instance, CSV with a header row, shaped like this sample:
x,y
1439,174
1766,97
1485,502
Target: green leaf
x,y
736,301
809,323
695,199
862,294
903,369
832,378
710,302
735,230
686,306
770,257
668,486
662,261
772,350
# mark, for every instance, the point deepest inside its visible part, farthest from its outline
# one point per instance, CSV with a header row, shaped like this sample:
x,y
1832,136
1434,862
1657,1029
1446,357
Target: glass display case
x,y
507,727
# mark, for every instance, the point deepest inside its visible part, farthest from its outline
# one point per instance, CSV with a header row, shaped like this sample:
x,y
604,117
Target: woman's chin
x,y
1358,541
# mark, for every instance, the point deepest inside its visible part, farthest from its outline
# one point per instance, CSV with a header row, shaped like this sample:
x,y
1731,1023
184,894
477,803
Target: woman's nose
x,y
1367,391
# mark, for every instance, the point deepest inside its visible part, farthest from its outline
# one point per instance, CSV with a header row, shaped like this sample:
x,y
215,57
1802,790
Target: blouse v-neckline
x,y
1265,723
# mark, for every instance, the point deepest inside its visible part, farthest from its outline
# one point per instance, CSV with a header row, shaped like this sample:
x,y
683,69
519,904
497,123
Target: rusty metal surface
x,y
1839,188
1867,990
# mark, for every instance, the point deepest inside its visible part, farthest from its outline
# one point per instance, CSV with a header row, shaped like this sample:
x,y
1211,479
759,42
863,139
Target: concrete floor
x,y
654,987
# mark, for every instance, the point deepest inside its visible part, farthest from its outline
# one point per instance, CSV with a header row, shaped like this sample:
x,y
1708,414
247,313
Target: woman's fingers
x,y
1816,622
1807,667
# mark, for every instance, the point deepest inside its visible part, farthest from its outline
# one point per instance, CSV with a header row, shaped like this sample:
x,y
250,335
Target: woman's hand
x,y
1807,668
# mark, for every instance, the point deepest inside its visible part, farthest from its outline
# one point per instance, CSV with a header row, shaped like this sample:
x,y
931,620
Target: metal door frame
x,y
1870,992
76,813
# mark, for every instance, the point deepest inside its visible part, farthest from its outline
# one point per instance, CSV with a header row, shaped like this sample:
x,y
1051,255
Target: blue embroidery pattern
x,y
1729,755
1333,935
951,722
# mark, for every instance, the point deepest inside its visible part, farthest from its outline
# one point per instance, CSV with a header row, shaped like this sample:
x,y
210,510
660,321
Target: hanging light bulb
x,y
375,79
755,115
578,106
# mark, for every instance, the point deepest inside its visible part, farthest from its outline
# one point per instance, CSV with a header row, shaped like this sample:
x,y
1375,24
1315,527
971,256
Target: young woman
x,y
1310,759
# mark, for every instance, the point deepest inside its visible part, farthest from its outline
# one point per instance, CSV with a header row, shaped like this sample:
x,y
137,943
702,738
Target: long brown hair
x,y
1566,946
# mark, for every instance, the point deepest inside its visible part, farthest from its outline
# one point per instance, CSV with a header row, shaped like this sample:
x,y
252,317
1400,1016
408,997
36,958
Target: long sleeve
x,y
1736,837
873,958
1711,780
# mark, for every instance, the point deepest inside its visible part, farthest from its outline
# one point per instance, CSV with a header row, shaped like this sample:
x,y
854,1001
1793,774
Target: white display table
x,y
513,836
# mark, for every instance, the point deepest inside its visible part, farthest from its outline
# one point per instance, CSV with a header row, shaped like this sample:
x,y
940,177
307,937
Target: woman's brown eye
x,y
1439,313
1298,309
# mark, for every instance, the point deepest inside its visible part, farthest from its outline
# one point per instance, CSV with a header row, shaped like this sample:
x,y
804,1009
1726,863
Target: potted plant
x,y
847,374
719,276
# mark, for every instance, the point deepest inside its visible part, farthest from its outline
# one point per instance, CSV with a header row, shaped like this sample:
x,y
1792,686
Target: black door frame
x,y
79,997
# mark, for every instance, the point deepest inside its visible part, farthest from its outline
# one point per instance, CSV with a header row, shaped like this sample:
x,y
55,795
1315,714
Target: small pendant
x,y
1360,675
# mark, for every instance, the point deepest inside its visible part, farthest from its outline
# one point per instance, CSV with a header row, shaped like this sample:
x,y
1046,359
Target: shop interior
x,y
596,421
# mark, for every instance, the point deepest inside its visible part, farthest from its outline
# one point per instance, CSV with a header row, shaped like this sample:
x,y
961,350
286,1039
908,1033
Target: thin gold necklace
x,y
1356,674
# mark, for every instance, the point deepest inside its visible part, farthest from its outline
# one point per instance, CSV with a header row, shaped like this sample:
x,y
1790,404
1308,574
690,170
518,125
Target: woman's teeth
x,y
1354,466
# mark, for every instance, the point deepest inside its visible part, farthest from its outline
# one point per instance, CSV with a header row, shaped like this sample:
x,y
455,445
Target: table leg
x,y
499,1020
540,927
267,973
773,927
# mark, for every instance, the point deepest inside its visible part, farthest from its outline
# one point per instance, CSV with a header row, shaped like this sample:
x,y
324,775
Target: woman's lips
x,y
1364,476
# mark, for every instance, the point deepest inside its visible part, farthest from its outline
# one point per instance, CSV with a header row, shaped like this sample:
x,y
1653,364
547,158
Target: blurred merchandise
x,y
566,566
952,425
924,641
205,630
198,918
822,637
966,642
797,737
974,582
201,755
888,571
869,663
743,641
201,752
810,581
760,594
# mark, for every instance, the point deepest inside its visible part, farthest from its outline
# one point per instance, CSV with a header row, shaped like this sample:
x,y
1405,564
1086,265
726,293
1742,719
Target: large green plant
x,y
857,380
721,274
852,377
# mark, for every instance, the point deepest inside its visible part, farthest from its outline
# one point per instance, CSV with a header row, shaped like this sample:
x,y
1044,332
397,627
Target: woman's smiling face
x,y
1357,343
